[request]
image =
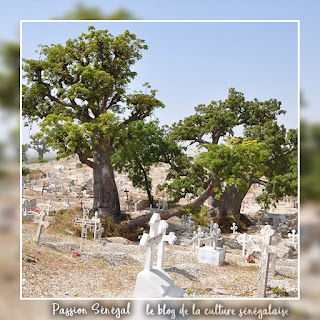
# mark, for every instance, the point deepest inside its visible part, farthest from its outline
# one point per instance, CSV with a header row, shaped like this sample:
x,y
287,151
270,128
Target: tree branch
x,y
85,160
60,101
179,211
258,181
284,154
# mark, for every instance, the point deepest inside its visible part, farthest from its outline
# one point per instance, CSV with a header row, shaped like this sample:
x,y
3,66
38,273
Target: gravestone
x,y
153,281
40,220
275,240
243,239
86,224
234,228
66,203
30,205
266,249
210,252
293,239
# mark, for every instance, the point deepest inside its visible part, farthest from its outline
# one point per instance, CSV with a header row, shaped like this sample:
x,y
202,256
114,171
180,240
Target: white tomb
x,y
153,281
211,253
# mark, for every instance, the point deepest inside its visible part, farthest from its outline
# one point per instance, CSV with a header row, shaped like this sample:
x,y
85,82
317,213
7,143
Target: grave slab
x,y
208,254
156,283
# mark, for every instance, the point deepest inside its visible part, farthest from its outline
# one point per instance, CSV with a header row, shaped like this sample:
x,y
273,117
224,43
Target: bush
x,y
25,171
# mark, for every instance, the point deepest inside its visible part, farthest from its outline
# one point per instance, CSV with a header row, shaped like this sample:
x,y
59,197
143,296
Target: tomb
x,y
210,252
153,281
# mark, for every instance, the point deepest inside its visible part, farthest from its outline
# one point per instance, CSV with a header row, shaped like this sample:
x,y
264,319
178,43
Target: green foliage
x,y
266,149
83,12
25,171
25,148
264,200
79,90
9,78
199,216
40,144
310,162
235,163
145,147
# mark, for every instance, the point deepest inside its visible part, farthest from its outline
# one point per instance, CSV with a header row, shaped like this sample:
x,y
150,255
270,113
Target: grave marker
x,y
265,248
153,282
293,239
40,220
234,228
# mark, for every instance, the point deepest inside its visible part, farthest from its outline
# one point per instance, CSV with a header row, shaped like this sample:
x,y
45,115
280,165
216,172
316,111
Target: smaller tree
x,y
146,146
40,144
25,148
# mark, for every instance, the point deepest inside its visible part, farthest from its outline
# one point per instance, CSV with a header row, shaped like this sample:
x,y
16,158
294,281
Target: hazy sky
x,y
306,11
195,62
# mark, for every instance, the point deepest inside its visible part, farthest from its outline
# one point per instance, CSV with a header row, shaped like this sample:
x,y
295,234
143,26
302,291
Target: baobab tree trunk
x,y
229,202
105,193
179,211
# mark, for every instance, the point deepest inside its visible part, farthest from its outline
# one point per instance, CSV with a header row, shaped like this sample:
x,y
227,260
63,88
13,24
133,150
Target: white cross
x,y
85,223
42,223
293,238
265,248
149,241
243,239
234,228
171,239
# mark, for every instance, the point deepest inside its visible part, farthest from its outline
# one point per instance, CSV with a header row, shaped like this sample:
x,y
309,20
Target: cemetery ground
x,y
55,268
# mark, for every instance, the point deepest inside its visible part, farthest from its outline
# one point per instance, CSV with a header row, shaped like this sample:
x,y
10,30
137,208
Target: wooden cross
x,y
265,248
42,223
148,242
234,228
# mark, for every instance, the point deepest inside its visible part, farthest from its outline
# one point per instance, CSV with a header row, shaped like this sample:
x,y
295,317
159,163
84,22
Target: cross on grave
x,y
234,228
40,220
96,221
293,239
275,240
66,203
183,221
243,239
196,239
211,226
171,239
85,223
265,248
155,238
216,231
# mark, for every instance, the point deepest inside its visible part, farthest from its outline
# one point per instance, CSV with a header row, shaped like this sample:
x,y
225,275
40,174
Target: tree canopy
x,y
265,149
80,91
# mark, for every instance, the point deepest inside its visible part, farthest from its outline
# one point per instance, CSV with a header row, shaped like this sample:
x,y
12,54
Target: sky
x,y
306,12
191,63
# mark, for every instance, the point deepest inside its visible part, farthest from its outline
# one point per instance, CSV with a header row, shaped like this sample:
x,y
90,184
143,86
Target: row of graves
x,y
207,243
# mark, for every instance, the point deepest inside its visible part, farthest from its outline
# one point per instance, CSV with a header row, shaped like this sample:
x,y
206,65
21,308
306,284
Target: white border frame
x,y
298,123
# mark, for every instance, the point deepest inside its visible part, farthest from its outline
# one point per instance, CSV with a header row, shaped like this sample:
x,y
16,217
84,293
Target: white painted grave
x,y
39,219
153,281
210,252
